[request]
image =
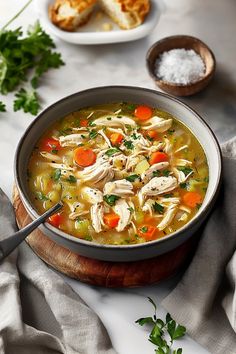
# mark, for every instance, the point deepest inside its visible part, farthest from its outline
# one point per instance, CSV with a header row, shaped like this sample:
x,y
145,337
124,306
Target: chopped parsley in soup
x,y
126,174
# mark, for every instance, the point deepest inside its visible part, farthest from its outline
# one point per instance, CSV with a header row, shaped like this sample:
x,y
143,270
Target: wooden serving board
x,y
102,273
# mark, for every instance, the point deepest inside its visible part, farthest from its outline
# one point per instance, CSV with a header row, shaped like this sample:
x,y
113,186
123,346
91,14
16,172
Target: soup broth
x,y
126,173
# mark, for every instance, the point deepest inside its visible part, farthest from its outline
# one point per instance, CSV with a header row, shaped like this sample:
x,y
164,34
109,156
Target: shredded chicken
x,y
121,188
97,212
180,175
100,171
181,148
122,122
121,208
183,162
72,139
185,208
156,186
61,166
132,161
101,132
158,124
171,200
77,209
119,161
167,147
92,195
148,174
50,157
148,206
168,216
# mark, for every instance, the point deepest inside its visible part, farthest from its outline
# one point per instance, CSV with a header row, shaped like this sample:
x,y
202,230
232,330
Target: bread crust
x,y
70,23
134,10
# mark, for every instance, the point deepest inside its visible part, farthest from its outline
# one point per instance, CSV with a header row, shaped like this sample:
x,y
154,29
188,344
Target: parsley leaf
x,y
93,134
71,179
21,55
56,175
135,136
185,170
41,196
159,330
183,185
111,199
131,209
65,131
132,178
128,144
145,320
26,100
2,107
198,206
171,131
156,173
158,208
91,124
131,107
112,151
168,195
166,173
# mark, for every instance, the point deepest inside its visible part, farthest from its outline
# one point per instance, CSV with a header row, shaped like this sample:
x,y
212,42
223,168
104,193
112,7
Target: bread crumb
x,y
107,26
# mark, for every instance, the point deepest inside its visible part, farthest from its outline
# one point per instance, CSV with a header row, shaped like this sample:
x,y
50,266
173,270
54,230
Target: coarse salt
x,y
180,66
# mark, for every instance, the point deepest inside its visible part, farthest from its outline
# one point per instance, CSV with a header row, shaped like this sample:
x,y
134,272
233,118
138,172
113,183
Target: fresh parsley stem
x,y
17,15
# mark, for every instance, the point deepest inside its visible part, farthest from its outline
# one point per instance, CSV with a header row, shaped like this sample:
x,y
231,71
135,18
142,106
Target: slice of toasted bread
x,y
70,14
126,13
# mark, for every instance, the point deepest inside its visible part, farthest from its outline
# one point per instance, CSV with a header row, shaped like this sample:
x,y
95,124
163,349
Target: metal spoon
x,y
10,243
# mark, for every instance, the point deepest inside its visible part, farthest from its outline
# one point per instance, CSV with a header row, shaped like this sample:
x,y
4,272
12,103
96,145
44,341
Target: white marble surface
x,y
213,22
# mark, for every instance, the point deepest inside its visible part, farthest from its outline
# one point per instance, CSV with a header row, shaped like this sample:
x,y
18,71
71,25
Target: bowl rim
x,y
172,84
30,208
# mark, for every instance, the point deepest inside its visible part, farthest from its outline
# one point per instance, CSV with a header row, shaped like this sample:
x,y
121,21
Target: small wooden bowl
x,y
186,42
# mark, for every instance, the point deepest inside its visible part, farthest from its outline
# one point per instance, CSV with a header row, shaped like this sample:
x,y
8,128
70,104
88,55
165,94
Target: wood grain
x,y
101,273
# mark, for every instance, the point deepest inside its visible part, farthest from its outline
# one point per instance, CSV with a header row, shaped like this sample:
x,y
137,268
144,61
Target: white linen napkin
x,y
205,299
81,330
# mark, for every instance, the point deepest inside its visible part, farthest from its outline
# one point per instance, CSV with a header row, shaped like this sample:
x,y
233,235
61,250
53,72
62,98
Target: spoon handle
x,y
10,243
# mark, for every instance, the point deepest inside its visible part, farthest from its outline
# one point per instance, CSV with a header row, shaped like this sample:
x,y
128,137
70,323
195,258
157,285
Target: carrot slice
x,y
148,232
83,122
143,112
192,199
116,138
158,156
50,145
152,134
84,157
55,220
111,220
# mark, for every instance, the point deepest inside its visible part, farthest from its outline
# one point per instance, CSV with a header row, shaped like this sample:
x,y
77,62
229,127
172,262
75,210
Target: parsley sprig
x,y
26,100
111,199
23,55
160,329
2,107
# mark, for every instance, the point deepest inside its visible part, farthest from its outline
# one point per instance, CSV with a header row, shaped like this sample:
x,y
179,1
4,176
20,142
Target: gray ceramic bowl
x,y
115,94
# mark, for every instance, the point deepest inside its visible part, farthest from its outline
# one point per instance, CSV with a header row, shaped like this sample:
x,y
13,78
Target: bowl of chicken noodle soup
x,y
137,171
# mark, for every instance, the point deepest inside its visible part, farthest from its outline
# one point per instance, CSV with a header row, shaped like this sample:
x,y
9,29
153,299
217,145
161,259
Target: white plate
x,y
92,32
